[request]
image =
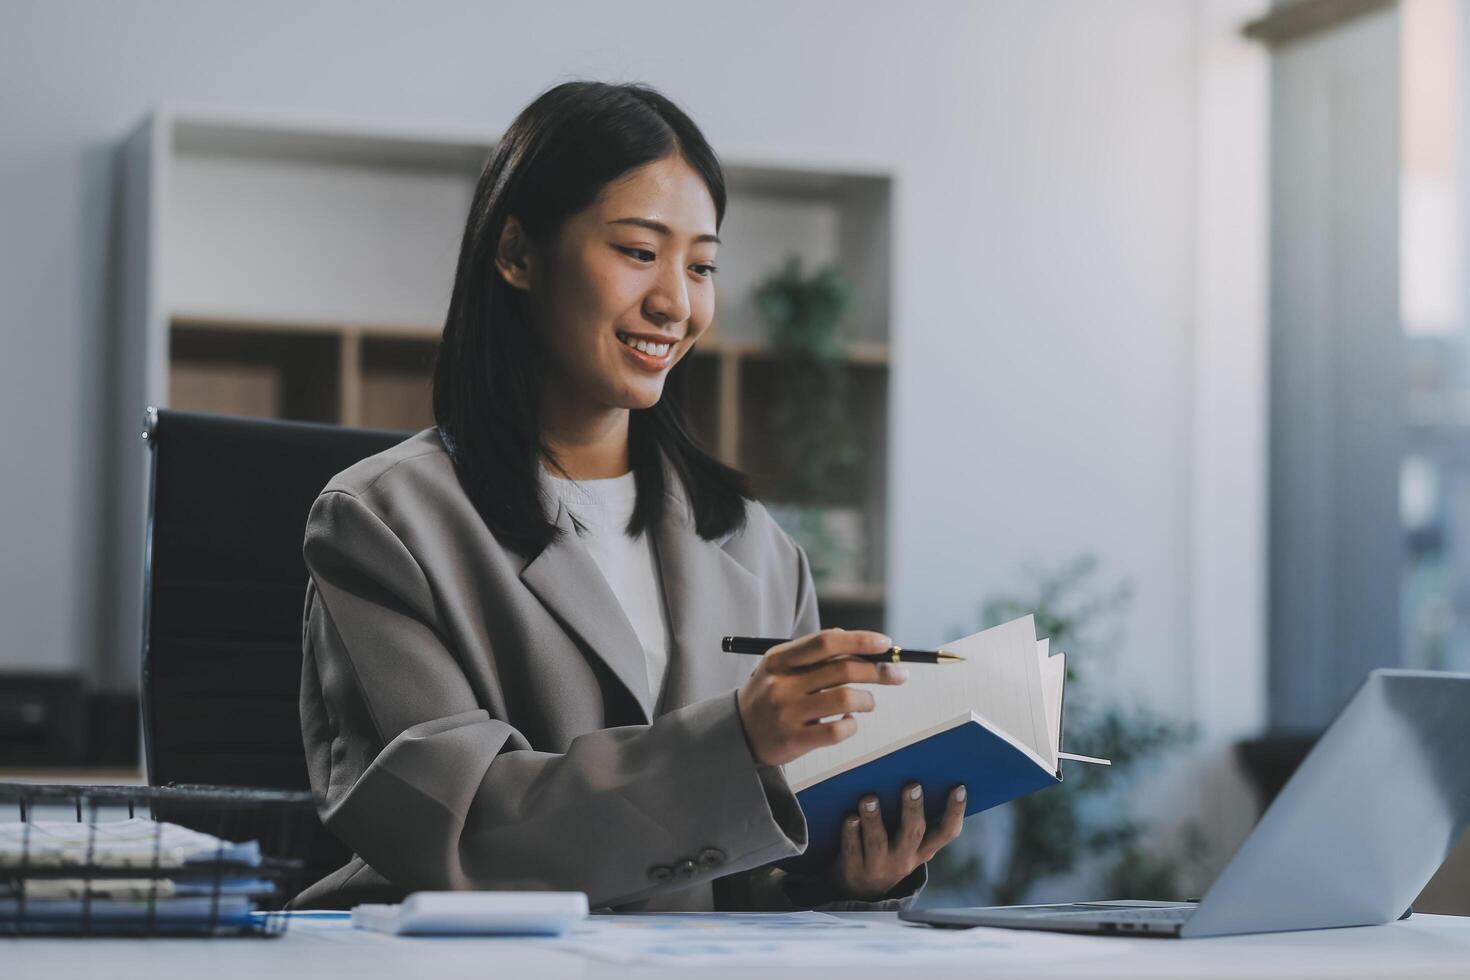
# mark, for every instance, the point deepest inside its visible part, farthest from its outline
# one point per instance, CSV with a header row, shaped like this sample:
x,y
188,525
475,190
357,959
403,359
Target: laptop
x,y
1354,836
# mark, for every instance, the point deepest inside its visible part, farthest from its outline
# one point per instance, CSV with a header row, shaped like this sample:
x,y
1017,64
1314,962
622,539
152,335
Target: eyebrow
x,y
660,227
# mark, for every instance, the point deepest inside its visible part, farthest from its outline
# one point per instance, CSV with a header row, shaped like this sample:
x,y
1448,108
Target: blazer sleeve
x,y
435,793
775,889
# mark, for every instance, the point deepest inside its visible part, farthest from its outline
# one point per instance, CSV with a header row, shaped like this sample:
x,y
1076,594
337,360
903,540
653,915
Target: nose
x,y
668,301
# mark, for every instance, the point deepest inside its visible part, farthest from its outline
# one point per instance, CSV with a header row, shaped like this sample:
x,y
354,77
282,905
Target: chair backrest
x,y
225,585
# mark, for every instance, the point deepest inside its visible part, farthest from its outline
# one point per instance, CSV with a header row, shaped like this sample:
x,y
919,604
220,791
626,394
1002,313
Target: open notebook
x,y
993,723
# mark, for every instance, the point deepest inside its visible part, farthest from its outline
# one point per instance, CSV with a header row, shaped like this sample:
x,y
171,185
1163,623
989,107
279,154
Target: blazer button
x,y
660,873
685,869
711,857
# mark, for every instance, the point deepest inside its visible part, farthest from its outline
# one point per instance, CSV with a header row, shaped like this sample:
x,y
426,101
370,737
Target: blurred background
x,y
1147,316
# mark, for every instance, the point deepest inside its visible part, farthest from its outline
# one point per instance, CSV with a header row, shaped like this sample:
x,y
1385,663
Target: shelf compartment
x,y
700,396
866,399
397,382
289,374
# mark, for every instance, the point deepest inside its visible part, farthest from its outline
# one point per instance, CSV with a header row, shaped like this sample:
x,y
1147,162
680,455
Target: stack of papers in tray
x,y
135,843
160,901
230,913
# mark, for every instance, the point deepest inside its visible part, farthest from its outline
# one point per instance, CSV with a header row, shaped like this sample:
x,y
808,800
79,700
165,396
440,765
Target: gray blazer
x,y
474,720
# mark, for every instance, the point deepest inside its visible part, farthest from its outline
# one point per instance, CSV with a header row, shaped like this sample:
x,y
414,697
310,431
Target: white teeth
x,y
653,350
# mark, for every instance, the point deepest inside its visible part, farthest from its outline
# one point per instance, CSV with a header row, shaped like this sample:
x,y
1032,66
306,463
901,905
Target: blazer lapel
x,y
565,577
709,595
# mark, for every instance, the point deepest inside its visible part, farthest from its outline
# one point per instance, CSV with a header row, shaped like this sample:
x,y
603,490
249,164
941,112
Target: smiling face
x,y
632,270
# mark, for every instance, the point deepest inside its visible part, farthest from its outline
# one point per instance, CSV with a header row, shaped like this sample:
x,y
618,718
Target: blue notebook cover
x,y
993,771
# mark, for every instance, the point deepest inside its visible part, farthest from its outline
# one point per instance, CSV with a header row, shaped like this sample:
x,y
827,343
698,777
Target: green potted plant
x,y
1086,817
817,446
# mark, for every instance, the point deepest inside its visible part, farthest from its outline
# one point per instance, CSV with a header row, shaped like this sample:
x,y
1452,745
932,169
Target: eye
x,y
706,270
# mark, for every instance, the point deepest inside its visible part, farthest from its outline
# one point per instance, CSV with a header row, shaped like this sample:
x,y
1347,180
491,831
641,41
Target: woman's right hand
x,y
800,682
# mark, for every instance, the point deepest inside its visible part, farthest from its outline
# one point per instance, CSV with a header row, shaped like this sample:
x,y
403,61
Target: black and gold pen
x,y
758,645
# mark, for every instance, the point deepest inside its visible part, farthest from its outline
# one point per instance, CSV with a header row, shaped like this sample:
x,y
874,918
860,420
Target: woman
x,y
512,671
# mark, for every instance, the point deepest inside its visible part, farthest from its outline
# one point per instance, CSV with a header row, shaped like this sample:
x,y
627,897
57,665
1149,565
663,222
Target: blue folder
x,y
992,769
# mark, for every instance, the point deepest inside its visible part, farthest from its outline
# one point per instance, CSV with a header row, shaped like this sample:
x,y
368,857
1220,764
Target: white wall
x,y
1053,358
1046,288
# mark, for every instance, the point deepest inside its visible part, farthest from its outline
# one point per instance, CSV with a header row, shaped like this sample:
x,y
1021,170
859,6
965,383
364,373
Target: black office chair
x,y
225,585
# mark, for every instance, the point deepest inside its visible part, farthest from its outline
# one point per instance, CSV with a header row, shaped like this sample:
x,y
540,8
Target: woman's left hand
x,y
871,862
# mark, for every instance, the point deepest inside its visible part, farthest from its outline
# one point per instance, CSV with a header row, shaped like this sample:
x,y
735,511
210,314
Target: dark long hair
x,y
555,159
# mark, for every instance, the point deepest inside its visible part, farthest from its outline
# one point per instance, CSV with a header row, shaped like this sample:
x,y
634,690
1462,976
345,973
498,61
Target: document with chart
x,y
992,723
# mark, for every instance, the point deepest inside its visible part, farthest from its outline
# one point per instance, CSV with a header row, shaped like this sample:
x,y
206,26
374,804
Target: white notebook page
x,y
1053,676
1000,680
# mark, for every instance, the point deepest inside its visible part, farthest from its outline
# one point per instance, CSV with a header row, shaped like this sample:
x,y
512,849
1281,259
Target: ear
x,y
513,254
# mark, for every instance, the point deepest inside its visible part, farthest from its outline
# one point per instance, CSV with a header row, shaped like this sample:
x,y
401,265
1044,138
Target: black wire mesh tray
x,y
89,860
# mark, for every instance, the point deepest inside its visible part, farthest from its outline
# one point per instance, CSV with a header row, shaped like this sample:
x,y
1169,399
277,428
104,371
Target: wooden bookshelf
x,y
266,287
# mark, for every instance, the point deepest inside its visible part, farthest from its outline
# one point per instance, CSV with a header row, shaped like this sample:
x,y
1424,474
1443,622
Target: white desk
x,y
1423,946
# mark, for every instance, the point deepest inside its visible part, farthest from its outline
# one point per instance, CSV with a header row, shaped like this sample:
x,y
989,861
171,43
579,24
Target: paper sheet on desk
x,y
754,939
